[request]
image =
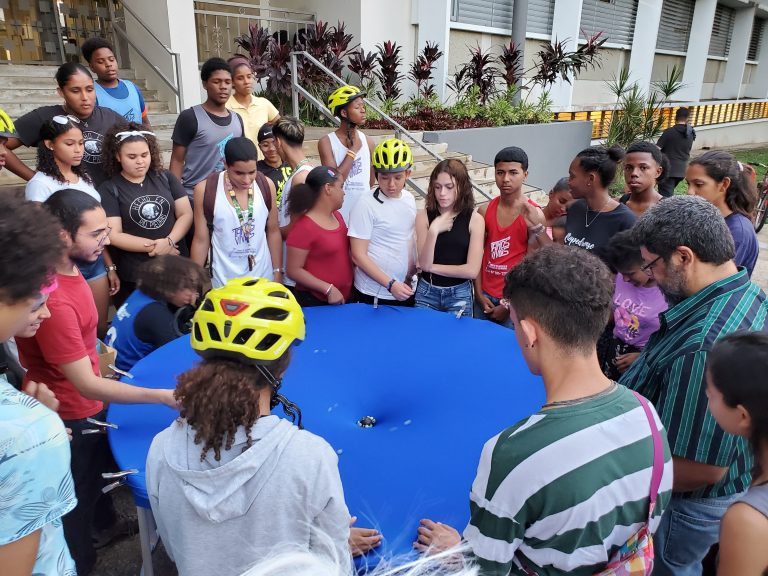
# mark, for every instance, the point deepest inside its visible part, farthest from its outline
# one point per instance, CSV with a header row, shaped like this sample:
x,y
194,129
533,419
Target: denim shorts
x,y
93,270
446,298
480,313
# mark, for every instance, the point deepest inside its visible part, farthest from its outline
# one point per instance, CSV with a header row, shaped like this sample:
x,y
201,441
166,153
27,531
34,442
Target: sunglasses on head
x,y
68,119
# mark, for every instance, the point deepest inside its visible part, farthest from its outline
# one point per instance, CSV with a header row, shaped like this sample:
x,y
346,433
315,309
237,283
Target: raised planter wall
x,y
550,147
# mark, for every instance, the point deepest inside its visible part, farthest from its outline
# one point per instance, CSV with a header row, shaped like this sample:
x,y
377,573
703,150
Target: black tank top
x,y
451,248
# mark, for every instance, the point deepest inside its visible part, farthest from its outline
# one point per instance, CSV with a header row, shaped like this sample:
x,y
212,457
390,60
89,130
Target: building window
x,y
498,14
675,25
757,37
722,28
615,18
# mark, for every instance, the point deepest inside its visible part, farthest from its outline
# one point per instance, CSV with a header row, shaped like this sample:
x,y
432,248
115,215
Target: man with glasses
x,y
687,248
64,355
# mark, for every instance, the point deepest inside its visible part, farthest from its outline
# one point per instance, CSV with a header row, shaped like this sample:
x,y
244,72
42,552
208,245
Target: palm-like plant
x,y
364,65
389,61
256,44
480,71
421,70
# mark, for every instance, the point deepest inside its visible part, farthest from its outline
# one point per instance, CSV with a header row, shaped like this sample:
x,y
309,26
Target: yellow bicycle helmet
x,y
343,96
7,129
392,155
249,319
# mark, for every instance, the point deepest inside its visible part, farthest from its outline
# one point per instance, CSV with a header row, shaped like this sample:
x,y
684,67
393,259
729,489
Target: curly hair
x,y
219,395
567,291
32,246
465,198
162,276
46,161
112,147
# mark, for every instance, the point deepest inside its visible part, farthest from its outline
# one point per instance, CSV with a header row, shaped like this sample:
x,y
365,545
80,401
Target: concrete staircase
x,y
24,88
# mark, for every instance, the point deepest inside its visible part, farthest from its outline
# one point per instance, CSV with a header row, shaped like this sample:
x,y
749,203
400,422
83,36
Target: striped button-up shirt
x,y
670,372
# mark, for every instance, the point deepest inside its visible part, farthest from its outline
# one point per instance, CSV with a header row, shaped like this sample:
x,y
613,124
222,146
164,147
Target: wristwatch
x,y
112,268
278,271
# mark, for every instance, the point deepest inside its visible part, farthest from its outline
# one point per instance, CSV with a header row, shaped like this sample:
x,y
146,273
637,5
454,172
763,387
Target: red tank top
x,y
504,249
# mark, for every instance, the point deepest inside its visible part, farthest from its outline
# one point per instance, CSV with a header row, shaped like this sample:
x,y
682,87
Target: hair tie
x,y
741,166
50,285
140,133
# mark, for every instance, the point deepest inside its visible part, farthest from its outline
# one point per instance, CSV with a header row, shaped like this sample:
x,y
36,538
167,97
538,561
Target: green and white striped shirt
x,y
563,489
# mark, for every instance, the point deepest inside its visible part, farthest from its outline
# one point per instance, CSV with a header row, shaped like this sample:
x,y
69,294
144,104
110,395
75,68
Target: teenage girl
x,y
595,216
644,167
449,237
738,400
719,178
318,247
60,152
147,207
347,149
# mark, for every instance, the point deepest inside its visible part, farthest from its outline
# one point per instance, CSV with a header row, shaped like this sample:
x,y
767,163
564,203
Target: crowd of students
x,y
650,292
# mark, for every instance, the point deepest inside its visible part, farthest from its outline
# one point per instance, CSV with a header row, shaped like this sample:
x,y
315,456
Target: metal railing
x,y
701,115
400,131
174,82
219,22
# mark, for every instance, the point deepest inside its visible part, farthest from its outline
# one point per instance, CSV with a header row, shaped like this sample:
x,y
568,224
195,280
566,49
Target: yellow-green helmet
x,y
253,320
7,129
392,155
343,96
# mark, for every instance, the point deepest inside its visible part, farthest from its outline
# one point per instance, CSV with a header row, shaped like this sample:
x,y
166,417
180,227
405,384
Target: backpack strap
x,y
658,454
261,181
209,199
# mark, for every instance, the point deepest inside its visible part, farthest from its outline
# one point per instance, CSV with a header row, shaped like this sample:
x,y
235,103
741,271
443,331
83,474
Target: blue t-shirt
x,y
744,237
126,99
36,487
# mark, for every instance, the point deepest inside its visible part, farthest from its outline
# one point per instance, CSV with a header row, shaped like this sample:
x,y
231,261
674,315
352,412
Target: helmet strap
x,y
290,409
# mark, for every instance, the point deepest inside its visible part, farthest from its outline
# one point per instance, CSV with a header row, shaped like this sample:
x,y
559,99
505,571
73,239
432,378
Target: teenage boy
x,y
347,149
236,219
36,490
272,165
513,226
563,489
381,230
201,132
122,96
63,354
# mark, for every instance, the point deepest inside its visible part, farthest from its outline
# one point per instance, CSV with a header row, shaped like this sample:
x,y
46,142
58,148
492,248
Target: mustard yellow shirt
x,y
255,115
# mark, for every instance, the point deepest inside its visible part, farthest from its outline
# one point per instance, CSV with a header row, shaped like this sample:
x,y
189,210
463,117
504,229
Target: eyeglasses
x,y
648,268
100,236
68,119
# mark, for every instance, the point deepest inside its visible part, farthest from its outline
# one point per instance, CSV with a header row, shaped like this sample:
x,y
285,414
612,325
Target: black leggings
x,y
361,298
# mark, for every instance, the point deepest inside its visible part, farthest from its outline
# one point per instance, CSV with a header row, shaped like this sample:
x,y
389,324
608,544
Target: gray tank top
x,y
205,154
757,497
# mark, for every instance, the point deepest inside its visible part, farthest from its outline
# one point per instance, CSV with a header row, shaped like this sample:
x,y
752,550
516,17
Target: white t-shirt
x,y
41,187
230,247
358,182
388,225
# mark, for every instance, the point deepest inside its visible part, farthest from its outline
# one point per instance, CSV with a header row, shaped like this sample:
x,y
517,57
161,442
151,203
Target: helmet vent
x,y
279,294
243,336
198,334
207,305
267,342
213,332
251,282
270,314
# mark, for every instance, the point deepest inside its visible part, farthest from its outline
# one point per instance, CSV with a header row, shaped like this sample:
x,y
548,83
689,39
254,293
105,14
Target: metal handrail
x,y
176,87
270,9
297,89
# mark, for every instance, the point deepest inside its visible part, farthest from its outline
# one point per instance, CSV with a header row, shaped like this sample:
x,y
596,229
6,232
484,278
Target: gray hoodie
x,y
284,492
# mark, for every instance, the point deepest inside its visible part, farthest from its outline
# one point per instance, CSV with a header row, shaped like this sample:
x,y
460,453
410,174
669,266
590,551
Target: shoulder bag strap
x,y
658,453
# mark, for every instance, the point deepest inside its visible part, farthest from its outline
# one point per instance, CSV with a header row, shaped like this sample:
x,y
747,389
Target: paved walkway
x,y
760,275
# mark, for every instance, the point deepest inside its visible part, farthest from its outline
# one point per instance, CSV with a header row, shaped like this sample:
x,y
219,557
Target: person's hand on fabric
x,y
443,223
401,291
335,296
42,394
499,313
435,537
624,361
485,302
114,282
361,540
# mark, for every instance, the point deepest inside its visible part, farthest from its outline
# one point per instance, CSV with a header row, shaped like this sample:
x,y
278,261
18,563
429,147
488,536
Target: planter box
x,y
550,147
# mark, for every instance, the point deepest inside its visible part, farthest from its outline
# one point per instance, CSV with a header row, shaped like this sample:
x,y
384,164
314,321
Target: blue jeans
x,y
688,529
446,298
480,313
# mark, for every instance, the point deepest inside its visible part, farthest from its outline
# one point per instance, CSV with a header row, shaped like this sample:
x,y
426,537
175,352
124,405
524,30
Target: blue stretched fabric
x,y
438,387
122,335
